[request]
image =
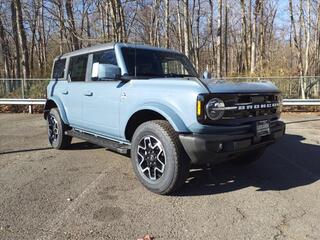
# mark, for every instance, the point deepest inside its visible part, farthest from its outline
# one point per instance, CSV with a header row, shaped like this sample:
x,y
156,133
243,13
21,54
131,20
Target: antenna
x,y
135,56
135,61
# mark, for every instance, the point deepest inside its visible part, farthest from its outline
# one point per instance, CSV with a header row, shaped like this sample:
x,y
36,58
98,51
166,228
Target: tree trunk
x,y
16,41
22,39
317,64
226,60
33,26
197,37
74,39
118,20
5,55
308,27
297,46
262,38
59,9
186,28
154,22
167,23
219,40
213,49
180,37
244,36
257,8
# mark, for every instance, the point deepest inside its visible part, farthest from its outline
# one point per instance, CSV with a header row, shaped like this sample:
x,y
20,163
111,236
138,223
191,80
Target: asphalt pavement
x,y
87,192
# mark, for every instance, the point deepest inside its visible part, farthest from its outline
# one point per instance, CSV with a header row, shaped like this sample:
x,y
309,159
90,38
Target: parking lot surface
x,y
86,192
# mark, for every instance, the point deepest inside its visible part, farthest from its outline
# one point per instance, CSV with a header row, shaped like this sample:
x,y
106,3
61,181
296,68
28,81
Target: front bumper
x,y
216,148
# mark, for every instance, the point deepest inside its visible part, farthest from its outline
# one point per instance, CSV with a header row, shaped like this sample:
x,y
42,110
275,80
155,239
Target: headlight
x,y
215,108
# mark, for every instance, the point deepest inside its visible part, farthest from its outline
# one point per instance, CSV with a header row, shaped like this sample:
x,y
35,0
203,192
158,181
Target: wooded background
x,y
226,37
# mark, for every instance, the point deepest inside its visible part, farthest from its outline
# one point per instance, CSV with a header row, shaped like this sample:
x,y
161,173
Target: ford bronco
x,y
151,103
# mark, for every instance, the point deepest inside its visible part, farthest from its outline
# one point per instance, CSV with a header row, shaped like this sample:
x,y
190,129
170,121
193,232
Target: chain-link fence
x,y
291,87
23,88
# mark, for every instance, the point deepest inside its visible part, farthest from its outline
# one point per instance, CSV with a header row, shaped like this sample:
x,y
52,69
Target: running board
x,y
107,143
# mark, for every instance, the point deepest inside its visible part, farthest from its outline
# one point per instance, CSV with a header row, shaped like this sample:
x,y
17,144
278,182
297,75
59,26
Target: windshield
x,y
156,63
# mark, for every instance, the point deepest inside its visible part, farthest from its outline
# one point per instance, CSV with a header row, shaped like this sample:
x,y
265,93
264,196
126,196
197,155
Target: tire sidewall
x,y
56,144
165,181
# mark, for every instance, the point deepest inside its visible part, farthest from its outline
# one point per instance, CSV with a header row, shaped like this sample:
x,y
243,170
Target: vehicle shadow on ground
x,y
24,150
73,146
287,164
83,146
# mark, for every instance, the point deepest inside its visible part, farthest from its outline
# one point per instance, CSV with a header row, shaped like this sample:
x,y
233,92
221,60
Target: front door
x,y
101,98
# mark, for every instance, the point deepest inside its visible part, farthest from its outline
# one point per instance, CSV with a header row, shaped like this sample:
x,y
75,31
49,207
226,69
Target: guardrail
x,y
18,101
30,102
301,102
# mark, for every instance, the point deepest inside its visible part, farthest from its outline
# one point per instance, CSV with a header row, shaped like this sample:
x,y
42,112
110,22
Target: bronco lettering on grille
x,y
257,106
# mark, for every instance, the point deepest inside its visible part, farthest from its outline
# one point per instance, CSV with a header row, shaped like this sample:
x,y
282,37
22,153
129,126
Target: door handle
x,y
65,92
89,94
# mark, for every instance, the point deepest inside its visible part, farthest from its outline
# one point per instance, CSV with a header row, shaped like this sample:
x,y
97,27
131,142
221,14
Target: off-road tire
x,y
177,163
61,141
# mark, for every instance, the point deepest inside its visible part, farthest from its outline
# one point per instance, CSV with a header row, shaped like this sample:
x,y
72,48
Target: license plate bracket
x,y
262,128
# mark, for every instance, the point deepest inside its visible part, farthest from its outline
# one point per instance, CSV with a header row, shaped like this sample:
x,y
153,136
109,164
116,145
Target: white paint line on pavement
x,y
52,227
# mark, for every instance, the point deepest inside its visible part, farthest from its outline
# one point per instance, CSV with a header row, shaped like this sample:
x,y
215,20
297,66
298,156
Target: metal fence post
x,y
30,109
22,87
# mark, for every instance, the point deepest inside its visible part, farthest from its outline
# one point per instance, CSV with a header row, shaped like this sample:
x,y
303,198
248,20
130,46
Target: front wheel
x,y
56,130
158,158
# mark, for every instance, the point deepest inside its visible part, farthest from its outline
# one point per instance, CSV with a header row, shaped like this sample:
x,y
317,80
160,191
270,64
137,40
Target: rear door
x,y
72,92
101,100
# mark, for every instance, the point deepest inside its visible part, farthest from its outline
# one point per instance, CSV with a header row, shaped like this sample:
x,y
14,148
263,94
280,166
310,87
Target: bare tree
x,y
257,8
22,38
219,40
186,27
17,69
226,56
167,24
72,25
297,45
215,35
5,53
154,22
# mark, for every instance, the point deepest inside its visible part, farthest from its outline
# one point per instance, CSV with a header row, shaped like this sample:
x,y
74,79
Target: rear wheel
x,y
56,130
249,158
158,157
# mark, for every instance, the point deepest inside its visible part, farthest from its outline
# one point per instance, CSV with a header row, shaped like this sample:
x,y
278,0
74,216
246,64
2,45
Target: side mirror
x,y
105,71
206,75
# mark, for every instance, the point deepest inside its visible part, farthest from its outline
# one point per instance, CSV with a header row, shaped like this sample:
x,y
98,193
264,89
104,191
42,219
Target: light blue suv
x,y
151,102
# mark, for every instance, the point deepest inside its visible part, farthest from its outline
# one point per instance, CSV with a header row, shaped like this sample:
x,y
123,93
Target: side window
x,y
173,67
58,69
106,57
77,68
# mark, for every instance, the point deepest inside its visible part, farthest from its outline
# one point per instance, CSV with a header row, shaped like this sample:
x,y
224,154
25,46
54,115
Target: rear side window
x,y
58,69
77,68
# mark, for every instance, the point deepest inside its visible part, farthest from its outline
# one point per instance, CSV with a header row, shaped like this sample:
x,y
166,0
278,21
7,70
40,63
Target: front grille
x,y
234,102
236,114
233,99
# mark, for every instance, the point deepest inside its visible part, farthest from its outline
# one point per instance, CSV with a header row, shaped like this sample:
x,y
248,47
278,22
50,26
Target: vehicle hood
x,y
223,86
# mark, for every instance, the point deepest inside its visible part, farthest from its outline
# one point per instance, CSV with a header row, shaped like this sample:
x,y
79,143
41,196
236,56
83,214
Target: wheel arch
x,y
153,113
52,103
